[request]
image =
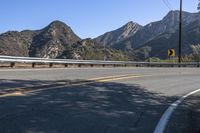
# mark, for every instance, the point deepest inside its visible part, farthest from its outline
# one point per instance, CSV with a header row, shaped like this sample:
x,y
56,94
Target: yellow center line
x,y
21,91
12,94
110,77
119,78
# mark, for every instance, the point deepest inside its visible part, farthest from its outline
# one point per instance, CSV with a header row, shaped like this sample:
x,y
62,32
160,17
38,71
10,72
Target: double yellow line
x,y
23,90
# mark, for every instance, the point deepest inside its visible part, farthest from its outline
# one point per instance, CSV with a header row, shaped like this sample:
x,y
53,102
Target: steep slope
x,y
110,38
169,24
158,47
88,49
47,43
51,41
16,43
57,40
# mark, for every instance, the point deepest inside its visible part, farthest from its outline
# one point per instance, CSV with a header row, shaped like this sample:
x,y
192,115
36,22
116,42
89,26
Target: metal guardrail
x,y
13,60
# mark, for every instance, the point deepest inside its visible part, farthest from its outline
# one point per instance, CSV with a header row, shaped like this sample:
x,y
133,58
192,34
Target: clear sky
x,y
88,18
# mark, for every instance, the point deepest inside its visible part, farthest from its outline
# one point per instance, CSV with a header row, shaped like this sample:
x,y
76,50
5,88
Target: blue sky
x,y
88,18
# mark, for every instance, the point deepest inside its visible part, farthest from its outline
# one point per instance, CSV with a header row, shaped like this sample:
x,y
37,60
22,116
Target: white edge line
x,y
160,128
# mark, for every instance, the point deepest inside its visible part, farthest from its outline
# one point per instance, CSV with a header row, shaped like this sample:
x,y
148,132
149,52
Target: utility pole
x,y
180,33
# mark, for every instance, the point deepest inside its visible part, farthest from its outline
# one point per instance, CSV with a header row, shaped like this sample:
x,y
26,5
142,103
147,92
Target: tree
x,y
198,8
196,52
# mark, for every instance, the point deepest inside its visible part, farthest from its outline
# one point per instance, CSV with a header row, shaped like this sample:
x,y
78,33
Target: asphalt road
x,y
186,117
90,100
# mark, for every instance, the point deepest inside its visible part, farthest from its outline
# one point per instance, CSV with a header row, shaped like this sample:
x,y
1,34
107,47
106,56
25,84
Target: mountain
x,y
88,49
155,38
158,46
57,40
50,42
152,30
170,23
130,42
15,43
47,43
113,37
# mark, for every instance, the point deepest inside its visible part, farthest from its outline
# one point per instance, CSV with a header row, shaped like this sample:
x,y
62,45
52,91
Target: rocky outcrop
x,y
113,37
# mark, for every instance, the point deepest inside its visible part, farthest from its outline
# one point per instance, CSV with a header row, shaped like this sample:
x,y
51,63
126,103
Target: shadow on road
x,y
92,108
6,83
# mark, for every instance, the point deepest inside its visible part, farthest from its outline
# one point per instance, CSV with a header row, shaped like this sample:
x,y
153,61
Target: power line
x,y
167,4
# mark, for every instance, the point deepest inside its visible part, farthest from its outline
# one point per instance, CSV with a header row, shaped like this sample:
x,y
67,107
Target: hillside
x,y
155,38
113,37
57,40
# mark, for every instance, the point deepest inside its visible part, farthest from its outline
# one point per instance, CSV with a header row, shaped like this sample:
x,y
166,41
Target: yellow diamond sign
x,y
171,52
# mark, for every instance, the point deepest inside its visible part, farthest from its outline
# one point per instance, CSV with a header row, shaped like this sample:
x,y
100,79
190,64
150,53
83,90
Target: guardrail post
x,y
33,65
51,65
198,65
149,64
92,65
66,65
12,64
79,65
103,65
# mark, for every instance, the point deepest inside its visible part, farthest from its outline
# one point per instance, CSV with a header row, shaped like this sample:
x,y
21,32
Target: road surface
x,y
90,100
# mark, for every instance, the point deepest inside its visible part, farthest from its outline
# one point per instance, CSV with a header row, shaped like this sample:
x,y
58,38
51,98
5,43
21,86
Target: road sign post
x,y
171,53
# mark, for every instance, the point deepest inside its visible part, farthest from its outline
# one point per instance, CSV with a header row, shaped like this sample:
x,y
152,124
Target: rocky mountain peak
x,y
129,29
130,24
120,34
52,41
57,23
56,28
172,14
173,17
